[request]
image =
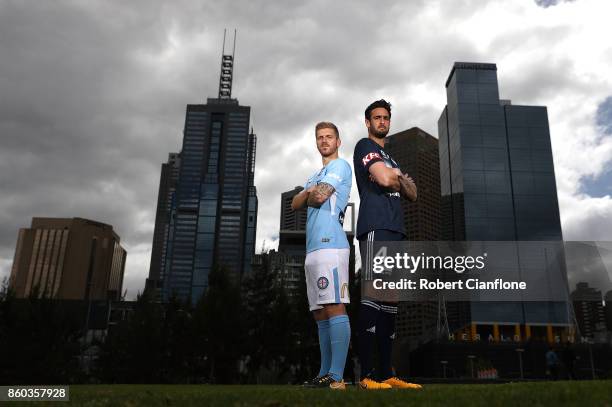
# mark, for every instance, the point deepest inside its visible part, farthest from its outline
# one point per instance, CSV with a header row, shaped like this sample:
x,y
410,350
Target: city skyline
x,y
96,106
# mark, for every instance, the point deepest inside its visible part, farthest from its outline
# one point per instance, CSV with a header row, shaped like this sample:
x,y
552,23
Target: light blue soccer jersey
x,y
324,225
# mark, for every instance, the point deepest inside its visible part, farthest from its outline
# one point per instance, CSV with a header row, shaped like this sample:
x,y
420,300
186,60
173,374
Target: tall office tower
x,y
166,196
213,216
292,235
286,269
70,259
416,152
497,182
608,310
589,310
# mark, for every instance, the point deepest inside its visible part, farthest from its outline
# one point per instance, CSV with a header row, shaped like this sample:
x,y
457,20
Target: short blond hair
x,y
327,125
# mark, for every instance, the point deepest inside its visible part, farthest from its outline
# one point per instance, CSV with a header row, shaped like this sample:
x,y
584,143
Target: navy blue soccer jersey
x,y
379,208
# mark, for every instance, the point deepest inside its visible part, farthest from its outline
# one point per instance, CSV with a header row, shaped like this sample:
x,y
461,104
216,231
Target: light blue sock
x,y
325,346
340,335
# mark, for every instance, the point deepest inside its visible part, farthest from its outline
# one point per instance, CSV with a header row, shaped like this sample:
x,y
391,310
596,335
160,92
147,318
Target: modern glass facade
x,y
167,191
497,183
213,215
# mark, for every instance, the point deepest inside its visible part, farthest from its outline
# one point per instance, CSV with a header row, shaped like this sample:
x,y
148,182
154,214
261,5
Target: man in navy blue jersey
x,y
381,186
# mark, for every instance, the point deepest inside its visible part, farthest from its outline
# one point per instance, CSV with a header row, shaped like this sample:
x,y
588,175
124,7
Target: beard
x,y
330,152
379,133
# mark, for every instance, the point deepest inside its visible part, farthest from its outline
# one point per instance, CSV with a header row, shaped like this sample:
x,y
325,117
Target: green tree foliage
x,y
219,327
268,325
39,340
133,351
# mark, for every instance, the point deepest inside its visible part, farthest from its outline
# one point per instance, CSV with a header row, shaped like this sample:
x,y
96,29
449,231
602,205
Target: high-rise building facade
x,y
166,195
292,234
608,310
589,310
416,152
497,174
68,259
213,215
497,183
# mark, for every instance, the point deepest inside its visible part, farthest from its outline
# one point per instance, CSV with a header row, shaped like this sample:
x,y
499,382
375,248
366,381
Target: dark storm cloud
x,y
548,3
84,121
94,94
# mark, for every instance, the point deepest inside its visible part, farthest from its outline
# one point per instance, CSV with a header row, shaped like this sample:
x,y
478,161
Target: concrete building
x,y
416,152
69,259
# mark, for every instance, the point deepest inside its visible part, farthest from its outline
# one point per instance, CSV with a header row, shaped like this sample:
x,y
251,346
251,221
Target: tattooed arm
x,y
319,194
408,188
299,201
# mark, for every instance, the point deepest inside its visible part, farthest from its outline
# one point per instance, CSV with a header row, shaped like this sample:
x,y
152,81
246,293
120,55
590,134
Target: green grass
x,y
532,394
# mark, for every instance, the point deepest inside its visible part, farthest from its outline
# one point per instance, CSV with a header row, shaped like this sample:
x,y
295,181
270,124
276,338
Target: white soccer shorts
x,y
327,277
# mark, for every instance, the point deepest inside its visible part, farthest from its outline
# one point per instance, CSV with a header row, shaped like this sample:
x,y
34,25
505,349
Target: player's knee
x,y
333,310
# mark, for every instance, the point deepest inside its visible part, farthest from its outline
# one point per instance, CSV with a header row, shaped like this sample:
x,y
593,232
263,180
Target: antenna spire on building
x,y
227,70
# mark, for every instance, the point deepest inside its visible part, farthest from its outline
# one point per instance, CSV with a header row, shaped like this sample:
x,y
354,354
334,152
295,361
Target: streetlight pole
x,y
472,357
592,362
520,355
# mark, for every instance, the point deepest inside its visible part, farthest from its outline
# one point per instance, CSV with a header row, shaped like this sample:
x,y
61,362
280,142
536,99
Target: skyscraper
x,y
292,234
166,194
416,152
497,183
497,175
213,213
589,310
68,259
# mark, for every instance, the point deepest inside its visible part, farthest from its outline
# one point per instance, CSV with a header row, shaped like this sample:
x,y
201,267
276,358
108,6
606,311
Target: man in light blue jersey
x,y
326,194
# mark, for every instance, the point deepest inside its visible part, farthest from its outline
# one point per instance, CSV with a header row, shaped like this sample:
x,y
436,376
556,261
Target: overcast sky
x,y
93,95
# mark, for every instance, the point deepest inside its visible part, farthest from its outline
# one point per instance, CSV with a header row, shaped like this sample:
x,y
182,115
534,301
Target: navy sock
x,y
325,346
385,334
368,315
340,335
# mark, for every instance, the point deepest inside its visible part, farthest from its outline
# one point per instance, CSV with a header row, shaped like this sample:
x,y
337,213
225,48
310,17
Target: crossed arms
x,y
314,196
389,178
393,179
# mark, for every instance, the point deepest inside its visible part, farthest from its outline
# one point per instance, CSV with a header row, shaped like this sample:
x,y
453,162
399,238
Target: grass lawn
x,y
579,393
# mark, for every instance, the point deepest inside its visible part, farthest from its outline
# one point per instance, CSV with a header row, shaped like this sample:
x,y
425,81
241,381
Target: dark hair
x,y
379,103
327,125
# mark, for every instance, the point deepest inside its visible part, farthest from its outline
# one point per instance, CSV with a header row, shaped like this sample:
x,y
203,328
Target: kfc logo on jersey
x,y
369,157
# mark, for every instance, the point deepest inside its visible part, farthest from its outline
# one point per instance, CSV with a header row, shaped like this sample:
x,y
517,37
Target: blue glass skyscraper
x,y
213,214
497,184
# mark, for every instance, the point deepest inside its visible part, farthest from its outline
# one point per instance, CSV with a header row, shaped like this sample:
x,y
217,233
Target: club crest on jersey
x,y
369,157
322,283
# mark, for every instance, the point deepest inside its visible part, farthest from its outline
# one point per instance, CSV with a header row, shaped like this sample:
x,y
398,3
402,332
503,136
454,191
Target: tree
x,y
219,328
